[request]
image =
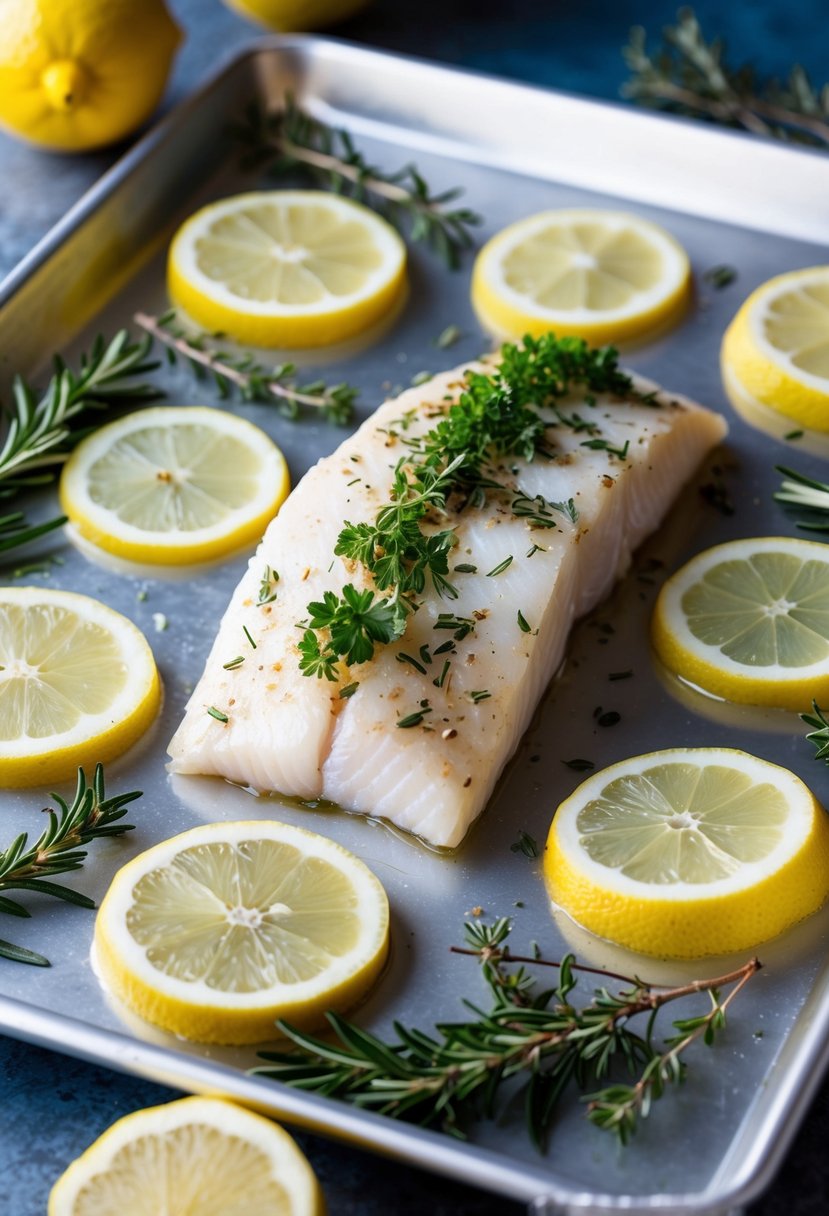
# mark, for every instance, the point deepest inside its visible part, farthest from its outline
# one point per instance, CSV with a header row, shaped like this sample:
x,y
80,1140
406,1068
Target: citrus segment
x,y
604,275
174,484
689,852
749,621
776,350
194,1157
220,931
78,684
286,268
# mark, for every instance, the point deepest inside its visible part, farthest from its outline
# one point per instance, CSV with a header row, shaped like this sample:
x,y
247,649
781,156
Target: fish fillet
x,y
292,734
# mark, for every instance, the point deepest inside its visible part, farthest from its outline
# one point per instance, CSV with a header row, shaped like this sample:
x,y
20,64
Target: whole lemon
x,y
288,15
78,74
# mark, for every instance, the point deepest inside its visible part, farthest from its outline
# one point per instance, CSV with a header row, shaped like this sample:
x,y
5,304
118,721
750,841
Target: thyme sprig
x,y
691,76
43,429
252,379
460,1071
290,138
497,416
811,496
58,850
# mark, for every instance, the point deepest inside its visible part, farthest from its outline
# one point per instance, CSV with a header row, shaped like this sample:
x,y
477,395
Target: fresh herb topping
x,y
465,568
416,718
291,138
448,337
246,632
603,445
536,549
267,587
819,734
440,680
525,844
234,663
791,435
497,416
217,714
59,849
580,766
349,690
480,694
465,1068
720,276
402,657
522,623
420,378
500,568
461,627
251,379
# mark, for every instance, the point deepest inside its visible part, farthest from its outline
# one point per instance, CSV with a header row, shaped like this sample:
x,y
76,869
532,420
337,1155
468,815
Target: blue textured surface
x,y
53,1107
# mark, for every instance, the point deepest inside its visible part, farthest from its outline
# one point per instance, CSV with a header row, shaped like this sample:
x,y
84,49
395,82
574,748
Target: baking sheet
x,y
712,1143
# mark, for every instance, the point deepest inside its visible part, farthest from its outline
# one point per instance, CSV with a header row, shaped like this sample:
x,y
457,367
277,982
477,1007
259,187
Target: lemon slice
x,y
776,350
286,268
749,621
194,1157
689,852
174,484
78,684
604,275
220,931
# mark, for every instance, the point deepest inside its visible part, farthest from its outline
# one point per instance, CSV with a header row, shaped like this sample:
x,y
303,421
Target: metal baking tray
x,y
713,1144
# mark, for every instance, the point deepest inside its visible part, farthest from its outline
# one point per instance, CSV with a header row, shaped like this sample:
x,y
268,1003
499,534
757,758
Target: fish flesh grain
x,y
293,734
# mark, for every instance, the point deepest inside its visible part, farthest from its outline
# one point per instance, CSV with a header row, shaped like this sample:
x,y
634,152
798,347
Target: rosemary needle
x,y
59,849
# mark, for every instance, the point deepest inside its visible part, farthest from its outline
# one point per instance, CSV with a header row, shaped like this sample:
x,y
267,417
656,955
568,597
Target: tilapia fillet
x,y
292,734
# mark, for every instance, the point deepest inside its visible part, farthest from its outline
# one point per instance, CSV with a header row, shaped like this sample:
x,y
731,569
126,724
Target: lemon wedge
x,y
194,1157
689,852
173,485
218,932
78,684
605,276
748,621
288,268
776,350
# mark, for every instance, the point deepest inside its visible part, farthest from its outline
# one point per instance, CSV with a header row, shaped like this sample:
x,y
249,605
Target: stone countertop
x,y
53,1106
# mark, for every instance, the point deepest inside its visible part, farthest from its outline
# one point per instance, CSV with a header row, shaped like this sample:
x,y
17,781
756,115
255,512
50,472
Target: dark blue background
x,y
53,1107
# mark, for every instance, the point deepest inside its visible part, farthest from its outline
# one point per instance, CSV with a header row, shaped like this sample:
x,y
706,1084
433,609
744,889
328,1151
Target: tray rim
x,y
419,1147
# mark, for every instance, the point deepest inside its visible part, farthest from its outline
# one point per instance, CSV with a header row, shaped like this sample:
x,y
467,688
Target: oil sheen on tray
x,y
295,735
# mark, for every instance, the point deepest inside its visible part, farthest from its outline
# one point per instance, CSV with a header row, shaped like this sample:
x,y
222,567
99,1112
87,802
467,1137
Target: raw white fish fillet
x,y
292,734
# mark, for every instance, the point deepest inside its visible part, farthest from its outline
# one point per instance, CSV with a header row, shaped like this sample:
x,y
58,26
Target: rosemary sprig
x,y
291,138
58,850
254,381
688,75
42,430
460,1071
798,490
